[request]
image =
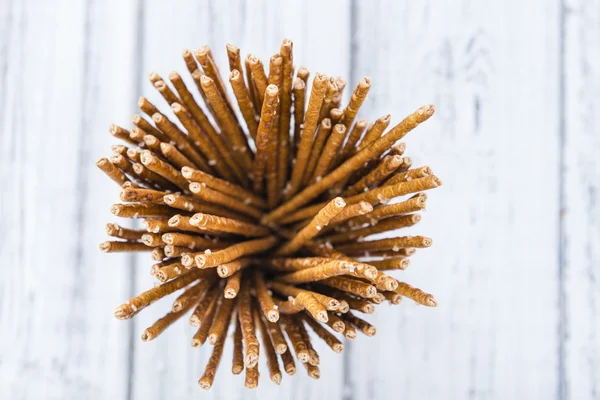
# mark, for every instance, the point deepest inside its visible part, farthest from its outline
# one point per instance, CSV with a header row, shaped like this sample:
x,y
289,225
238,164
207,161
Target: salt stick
x,y
352,164
353,286
374,132
299,90
384,169
357,304
356,100
206,322
123,164
272,169
386,244
295,336
158,225
192,204
323,133
318,273
222,224
279,342
137,135
265,135
153,240
386,225
331,149
153,178
166,92
118,231
252,376
329,303
407,251
286,51
175,251
360,324
177,159
289,365
140,210
233,285
314,356
392,297
120,247
182,223
324,334
244,102
288,306
197,316
405,176
164,169
204,57
382,282
336,115
228,123
111,171
120,133
327,105
139,302
237,365
354,210
415,294
374,196
158,254
146,128
248,329
341,85
190,294
234,252
227,269
235,64
170,271
210,371
259,77
391,264
252,90
220,324
333,208
132,195
265,301
156,267
163,323
311,120
212,196
415,203
223,186
271,355
304,299
148,108
335,323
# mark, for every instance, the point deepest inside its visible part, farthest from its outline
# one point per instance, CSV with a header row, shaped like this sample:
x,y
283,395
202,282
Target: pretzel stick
x,y
324,334
244,102
252,375
286,52
259,77
353,164
163,323
212,196
353,286
415,203
218,330
299,90
267,306
265,135
271,355
374,132
238,349
117,231
295,336
192,204
334,141
206,322
213,364
386,244
222,224
163,169
252,90
327,105
383,226
248,329
311,120
415,294
386,167
362,325
140,210
120,133
197,317
356,100
111,171
233,285
289,365
204,57
323,133
329,303
227,269
120,247
336,115
234,252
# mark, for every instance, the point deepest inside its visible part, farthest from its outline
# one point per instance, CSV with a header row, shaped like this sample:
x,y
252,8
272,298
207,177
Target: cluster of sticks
x,y
232,208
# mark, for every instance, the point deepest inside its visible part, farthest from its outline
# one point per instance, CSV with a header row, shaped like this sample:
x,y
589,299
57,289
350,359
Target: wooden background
x,y
516,226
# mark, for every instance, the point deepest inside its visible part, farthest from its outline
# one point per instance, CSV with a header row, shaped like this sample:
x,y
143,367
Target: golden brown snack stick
x,y
267,306
141,195
311,120
234,252
288,306
353,286
272,170
166,92
356,100
210,371
139,302
331,149
299,90
235,63
175,251
335,323
289,365
153,240
164,169
271,355
295,336
415,203
374,132
385,244
341,85
360,324
146,128
120,247
190,295
220,324
324,334
318,273
204,57
163,323
118,231
111,171
212,196
329,303
415,173
336,116
227,269
206,322
152,177
415,294
265,135
352,164
312,370
286,52
333,208
222,224
197,316
192,204
224,186
279,342
391,264
140,210
382,226
252,376
323,133
158,254
314,358
238,349
169,271
233,285
120,133
252,90
259,77
179,160
244,102
248,329
384,169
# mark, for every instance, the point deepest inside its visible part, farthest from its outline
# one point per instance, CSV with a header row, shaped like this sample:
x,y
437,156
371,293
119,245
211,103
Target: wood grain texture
x,y
515,139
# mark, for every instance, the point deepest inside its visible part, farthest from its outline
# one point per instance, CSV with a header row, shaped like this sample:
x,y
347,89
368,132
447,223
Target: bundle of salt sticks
x,y
257,205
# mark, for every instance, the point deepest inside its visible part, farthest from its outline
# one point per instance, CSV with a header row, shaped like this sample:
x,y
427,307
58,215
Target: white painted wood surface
x,y
516,226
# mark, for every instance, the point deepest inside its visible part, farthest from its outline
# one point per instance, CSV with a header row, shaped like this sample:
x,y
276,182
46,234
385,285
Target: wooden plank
x,y
60,83
494,143
580,253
